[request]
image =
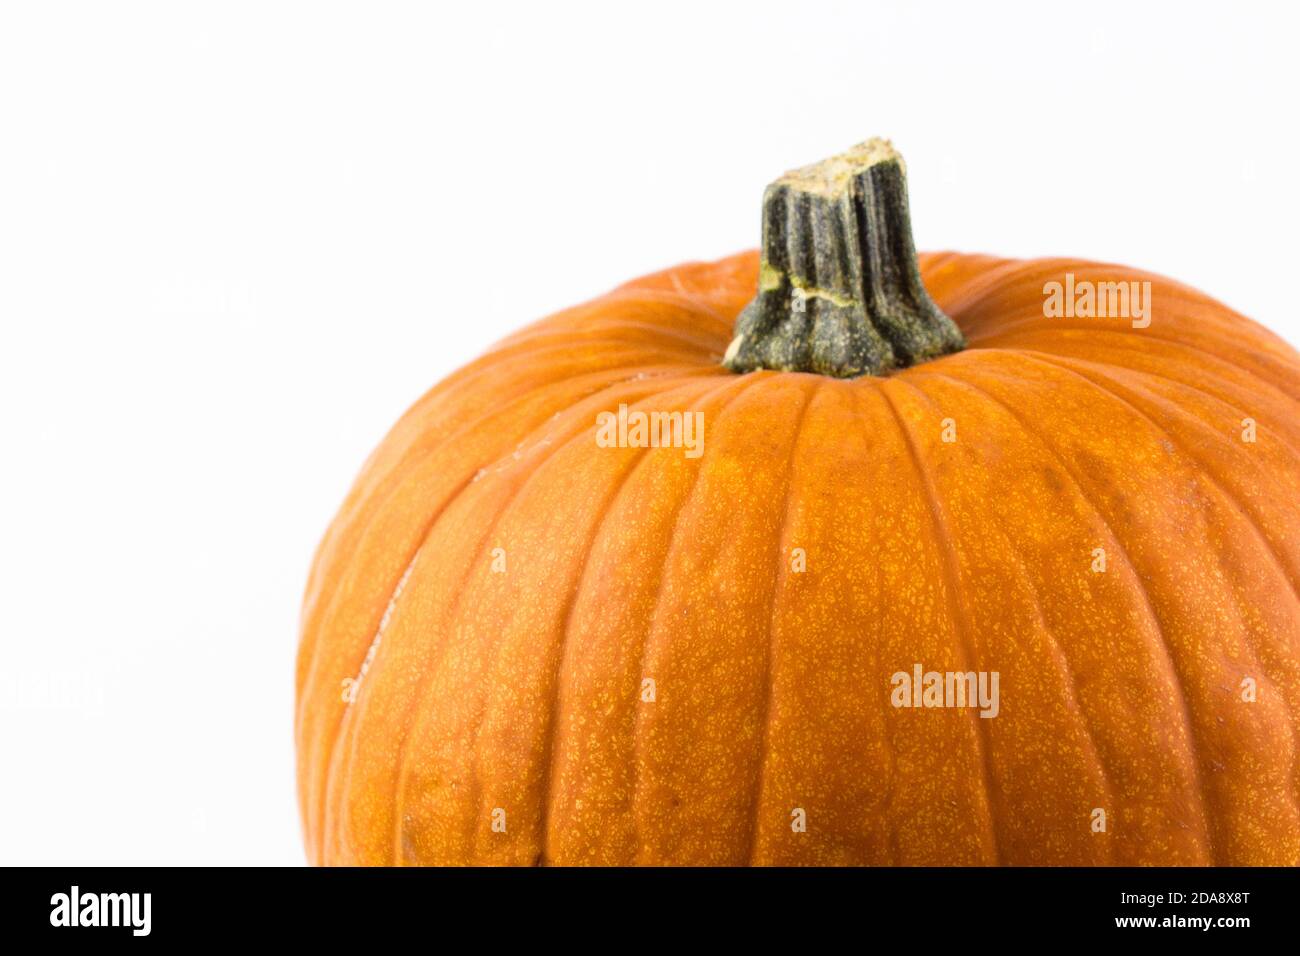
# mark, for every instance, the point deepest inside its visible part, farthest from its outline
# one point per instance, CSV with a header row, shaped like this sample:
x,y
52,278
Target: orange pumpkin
x,y
521,646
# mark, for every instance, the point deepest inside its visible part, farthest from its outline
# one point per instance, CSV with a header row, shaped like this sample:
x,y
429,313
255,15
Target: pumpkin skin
x,y
1120,690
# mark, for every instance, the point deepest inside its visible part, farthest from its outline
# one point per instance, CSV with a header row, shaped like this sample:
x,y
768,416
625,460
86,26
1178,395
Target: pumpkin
x,y
524,645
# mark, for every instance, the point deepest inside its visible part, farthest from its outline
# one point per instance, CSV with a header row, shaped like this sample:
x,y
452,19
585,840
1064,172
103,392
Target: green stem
x,y
839,291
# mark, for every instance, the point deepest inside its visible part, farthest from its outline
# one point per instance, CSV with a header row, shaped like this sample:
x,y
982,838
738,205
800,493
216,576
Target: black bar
x,y
236,905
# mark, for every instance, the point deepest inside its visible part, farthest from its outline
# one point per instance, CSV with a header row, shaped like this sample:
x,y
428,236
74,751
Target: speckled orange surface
x,y
496,588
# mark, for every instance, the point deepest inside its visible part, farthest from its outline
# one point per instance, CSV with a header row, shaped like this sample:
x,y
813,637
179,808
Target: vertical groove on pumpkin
x,y
373,491
1202,466
1287,574
637,735
360,684
655,397
1171,658
417,696
605,377
340,729
961,623
886,724
778,578
1069,670
552,728
1237,412
425,538
1204,470
336,734
314,810
474,798
454,610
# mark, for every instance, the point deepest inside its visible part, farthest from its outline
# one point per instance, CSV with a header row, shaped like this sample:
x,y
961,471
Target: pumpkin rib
x,y
706,279
498,365
951,275
971,292
367,493
1173,409
888,800
1071,678
475,783
372,651
381,488
1228,344
1200,313
318,626
700,306
644,295
399,790
640,460
571,602
571,333
778,576
323,777
594,317
502,367
1224,394
1041,439
1071,683
1163,643
500,513
337,734
1202,470
973,297
683,330
1252,522
1286,572
1013,275
1125,337
658,312
734,266
687,498
401,750
1201,464
950,580
1192,318
372,480
640,361
553,722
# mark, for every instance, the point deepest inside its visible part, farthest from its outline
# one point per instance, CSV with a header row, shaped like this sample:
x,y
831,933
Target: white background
x,y
237,240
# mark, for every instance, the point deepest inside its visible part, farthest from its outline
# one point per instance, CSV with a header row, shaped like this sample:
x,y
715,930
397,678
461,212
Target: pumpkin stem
x,y
839,291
